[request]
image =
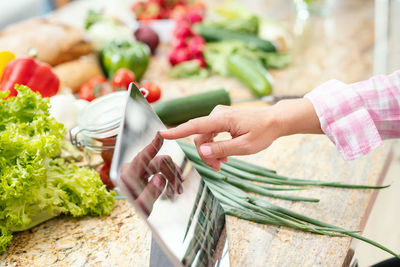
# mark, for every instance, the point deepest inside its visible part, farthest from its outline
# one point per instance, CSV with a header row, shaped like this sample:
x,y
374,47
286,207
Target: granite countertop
x,y
338,46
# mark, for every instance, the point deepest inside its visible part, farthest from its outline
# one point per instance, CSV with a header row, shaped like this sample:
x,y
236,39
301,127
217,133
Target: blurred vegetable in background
x,y
124,54
186,44
154,91
65,108
95,87
5,58
247,63
32,73
157,9
103,29
216,34
188,69
233,16
147,35
250,72
122,78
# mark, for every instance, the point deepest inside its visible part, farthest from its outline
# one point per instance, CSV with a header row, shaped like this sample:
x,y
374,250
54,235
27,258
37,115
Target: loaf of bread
x,y
74,73
55,43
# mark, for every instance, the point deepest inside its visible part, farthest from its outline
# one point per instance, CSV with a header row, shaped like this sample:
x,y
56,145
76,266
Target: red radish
x,y
196,46
146,35
183,55
182,31
198,39
179,43
179,55
186,44
194,16
201,61
172,58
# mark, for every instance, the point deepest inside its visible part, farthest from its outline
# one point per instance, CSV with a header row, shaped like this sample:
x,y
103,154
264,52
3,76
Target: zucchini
x,y
251,73
214,34
179,110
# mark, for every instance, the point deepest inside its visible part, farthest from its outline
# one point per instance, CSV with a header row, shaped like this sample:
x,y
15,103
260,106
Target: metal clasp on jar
x,y
73,135
97,144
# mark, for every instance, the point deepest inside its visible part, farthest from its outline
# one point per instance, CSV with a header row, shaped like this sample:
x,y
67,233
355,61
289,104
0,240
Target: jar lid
x,y
102,115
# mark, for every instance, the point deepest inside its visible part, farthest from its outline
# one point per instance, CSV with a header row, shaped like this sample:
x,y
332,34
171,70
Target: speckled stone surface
x,y
121,239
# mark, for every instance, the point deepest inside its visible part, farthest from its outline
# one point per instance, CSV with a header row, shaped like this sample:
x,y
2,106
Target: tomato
x,y
107,153
122,78
154,91
104,171
95,87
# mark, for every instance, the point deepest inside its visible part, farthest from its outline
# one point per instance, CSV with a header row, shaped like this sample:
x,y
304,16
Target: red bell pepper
x,y
28,71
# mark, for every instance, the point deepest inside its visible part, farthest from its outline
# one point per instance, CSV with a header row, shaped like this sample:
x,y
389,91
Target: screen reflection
x,y
154,174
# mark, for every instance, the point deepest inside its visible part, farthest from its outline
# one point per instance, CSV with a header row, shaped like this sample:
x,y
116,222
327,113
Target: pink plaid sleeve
x,y
356,117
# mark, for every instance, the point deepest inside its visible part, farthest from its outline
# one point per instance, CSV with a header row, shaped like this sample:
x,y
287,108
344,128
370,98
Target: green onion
x,y
236,178
242,205
243,170
247,186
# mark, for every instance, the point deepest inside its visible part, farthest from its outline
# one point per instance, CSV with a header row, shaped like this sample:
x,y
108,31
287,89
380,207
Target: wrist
x,y
296,116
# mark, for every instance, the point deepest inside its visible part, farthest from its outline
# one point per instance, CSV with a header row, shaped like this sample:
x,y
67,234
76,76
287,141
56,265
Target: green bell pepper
x,y
124,54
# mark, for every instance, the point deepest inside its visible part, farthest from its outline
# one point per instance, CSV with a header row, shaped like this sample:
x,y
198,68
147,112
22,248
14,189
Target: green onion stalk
x,y
234,186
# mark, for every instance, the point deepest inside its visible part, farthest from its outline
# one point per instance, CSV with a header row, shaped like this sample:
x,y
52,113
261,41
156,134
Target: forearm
x,y
297,116
356,117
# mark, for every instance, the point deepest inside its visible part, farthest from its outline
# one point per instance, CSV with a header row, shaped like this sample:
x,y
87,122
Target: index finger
x,y
202,125
139,164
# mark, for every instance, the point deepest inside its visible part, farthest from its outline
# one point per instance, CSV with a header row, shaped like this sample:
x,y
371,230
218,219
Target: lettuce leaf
x,y
35,183
233,16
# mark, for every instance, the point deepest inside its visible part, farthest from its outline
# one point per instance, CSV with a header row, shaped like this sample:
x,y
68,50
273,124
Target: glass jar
x,y
98,125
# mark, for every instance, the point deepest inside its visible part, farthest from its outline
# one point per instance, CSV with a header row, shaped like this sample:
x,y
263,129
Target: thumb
x,y
222,149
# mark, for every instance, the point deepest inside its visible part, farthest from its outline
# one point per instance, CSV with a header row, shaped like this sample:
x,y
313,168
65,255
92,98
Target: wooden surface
x,y
338,47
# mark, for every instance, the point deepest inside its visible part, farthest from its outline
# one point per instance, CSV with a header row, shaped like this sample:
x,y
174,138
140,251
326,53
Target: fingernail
x,y
161,132
158,182
170,191
180,189
205,150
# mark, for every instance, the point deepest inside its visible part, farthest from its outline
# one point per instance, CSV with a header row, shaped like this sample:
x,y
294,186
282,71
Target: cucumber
x,y
214,34
251,73
179,110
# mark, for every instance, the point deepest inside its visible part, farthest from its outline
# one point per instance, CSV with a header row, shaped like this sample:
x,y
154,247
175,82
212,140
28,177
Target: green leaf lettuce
x,y
35,183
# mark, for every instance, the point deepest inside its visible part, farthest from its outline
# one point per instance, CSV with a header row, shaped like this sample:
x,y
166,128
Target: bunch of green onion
x,y
232,184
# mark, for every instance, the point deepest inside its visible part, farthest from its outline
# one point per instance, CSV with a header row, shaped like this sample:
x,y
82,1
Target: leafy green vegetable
x,y
35,184
188,69
274,60
93,17
216,55
102,29
235,17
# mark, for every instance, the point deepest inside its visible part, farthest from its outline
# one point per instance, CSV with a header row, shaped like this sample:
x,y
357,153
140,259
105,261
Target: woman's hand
x,y
252,128
162,170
